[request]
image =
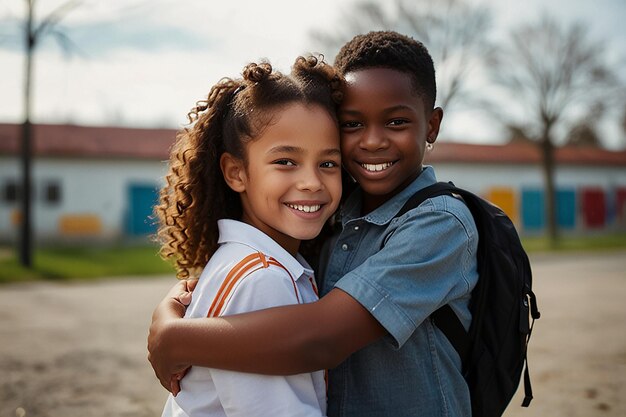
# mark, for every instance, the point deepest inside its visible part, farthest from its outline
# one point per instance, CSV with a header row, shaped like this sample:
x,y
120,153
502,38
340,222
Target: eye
x,y
397,122
329,164
350,124
285,162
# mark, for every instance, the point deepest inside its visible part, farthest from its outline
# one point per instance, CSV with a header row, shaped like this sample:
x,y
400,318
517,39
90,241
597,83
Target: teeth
x,y
377,167
306,209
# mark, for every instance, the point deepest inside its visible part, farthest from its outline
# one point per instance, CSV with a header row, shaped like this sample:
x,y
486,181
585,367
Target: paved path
x,y
79,349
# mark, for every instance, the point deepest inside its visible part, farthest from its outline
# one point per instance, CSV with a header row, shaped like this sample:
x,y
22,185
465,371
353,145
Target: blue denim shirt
x,y
428,260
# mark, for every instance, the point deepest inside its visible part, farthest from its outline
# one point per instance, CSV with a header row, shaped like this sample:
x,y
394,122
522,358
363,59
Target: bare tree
x,y
454,31
584,134
584,131
33,34
553,72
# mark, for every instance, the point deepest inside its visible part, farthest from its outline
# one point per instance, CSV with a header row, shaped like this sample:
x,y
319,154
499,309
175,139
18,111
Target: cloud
x,y
99,39
105,37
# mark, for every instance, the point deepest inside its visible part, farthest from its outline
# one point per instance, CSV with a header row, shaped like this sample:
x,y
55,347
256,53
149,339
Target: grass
x,y
88,263
83,263
575,243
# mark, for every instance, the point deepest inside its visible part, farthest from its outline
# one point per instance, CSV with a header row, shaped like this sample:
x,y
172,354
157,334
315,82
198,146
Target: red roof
x,y
93,142
519,152
121,142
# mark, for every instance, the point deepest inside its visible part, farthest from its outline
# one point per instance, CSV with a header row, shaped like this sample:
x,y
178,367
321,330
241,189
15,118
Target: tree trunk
x,y
547,153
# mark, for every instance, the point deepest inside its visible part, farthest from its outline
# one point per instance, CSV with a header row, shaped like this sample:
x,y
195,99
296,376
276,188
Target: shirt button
x,y
344,246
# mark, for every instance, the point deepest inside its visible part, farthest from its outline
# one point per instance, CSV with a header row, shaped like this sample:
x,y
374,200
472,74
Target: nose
x,y
374,139
310,180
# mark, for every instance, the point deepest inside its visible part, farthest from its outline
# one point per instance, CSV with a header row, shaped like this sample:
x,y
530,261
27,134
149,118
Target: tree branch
x,y
56,16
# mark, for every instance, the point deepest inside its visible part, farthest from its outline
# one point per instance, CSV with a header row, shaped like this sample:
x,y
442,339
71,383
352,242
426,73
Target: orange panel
x,y
16,217
80,224
504,198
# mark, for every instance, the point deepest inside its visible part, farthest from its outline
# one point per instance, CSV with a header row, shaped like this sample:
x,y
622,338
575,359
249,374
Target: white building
x,y
590,183
99,183
88,182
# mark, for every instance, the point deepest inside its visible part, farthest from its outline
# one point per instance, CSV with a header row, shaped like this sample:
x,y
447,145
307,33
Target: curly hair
x,y
195,194
388,49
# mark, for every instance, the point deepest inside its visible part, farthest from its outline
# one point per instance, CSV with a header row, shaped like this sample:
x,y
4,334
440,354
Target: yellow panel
x,y
504,198
80,224
16,217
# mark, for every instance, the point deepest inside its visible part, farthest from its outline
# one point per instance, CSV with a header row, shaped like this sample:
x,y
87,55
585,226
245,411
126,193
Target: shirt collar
x,y
239,232
387,211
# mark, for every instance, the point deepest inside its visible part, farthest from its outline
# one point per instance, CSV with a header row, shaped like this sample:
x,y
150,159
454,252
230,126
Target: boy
x,y
385,275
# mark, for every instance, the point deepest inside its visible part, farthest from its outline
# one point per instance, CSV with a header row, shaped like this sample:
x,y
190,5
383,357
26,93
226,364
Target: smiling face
x,y
384,128
291,183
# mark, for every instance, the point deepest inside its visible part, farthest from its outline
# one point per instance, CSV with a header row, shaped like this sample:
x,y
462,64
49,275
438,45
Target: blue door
x,y
532,209
566,208
142,199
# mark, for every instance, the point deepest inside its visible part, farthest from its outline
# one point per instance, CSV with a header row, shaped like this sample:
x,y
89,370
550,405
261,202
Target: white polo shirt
x,y
248,272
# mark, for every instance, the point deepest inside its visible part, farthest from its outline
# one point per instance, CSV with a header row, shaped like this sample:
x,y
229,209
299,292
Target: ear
x,y
234,172
434,123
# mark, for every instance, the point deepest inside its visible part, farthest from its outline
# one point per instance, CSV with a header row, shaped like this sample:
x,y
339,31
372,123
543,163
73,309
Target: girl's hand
x,y
160,349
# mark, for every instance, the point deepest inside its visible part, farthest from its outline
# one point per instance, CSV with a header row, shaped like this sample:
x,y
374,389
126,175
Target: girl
x,y
257,172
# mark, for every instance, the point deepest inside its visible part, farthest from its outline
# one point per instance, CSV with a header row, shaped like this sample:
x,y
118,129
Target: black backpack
x,y
494,350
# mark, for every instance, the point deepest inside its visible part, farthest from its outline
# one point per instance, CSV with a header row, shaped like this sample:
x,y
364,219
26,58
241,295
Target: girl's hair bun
x,y
316,70
257,72
307,62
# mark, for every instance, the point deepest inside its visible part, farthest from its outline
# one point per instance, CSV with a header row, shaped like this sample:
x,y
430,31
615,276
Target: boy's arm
x,y
277,341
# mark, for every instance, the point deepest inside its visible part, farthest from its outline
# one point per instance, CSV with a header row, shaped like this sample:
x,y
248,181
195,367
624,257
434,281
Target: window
x,y
11,192
52,193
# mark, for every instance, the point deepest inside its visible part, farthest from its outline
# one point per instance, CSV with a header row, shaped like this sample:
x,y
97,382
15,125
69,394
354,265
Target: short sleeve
x,y
427,261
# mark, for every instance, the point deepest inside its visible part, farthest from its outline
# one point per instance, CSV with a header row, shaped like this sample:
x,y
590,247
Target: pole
x,y
26,151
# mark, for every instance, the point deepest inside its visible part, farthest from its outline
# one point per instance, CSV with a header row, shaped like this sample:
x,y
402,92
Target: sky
x,y
144,63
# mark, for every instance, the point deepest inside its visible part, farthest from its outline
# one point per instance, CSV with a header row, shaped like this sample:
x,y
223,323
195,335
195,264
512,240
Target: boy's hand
x,y
171,308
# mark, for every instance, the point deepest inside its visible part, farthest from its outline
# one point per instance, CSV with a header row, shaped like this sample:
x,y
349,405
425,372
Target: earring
x,y
429,144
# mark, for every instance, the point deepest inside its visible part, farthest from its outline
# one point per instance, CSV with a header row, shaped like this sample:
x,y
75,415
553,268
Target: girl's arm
x,y
173,305
277,341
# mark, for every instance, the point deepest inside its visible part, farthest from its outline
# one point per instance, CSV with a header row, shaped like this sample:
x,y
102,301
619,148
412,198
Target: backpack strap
x,y
448,322
444,318
534,313
434,190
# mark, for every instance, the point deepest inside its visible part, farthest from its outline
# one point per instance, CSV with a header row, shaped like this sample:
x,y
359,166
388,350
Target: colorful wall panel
x,y
620,206
142,198
566,208
533,209
593,205
80,224
504,197
609,201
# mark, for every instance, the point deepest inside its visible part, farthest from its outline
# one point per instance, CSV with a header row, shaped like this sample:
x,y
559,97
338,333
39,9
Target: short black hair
x,y
388,49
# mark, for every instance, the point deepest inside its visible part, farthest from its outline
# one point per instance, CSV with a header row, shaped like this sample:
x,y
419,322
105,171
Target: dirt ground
x,y
79,349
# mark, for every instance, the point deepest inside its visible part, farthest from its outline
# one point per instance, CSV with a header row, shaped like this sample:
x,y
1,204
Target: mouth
x,y
376,167
305,208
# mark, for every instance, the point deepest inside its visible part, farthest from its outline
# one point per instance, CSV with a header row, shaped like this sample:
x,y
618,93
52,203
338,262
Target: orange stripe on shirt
x,y
239,278
273,261
233,276
245,267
